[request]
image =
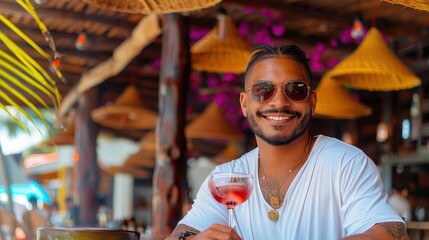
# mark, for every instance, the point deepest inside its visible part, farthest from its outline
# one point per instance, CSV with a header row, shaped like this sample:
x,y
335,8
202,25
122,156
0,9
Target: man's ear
x,y
243,103
313,101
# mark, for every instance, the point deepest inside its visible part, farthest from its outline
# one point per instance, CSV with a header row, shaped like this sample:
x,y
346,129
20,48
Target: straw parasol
x,y
416,4
152,6
211,124
374,67
231,152
137,172
335,102
148,141
65,136
222,49
126,113
145,157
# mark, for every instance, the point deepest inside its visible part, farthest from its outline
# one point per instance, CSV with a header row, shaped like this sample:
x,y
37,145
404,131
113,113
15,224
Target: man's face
x,y
279,120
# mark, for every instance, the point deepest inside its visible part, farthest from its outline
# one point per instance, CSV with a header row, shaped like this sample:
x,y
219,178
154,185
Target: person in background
x,y
34,218
55,217
306,187
70,214
102,213
398,199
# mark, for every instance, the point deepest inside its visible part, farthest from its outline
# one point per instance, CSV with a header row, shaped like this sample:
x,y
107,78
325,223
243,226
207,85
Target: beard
x,y
281,139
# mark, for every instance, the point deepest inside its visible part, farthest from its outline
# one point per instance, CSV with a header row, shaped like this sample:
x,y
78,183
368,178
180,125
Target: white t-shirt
x,y
338,192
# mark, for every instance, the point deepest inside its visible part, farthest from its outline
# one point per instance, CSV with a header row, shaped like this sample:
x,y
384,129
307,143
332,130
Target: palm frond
x,y
10,116
24,83
15,119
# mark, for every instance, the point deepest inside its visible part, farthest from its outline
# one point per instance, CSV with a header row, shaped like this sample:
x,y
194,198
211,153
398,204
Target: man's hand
x,y
215,231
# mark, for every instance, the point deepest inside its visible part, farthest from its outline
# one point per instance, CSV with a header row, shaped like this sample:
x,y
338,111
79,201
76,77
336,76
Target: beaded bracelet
x,y
186,234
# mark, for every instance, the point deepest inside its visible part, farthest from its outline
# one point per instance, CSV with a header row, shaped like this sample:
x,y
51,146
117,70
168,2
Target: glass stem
x,y
230,216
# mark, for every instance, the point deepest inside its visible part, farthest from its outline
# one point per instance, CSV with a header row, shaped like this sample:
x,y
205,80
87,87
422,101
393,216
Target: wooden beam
x,y
15,10
83,60
289,11
395,29
99,43
89,56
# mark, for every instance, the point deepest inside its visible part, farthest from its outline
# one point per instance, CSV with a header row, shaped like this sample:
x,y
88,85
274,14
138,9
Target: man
x,y
306,187
398,200
34,219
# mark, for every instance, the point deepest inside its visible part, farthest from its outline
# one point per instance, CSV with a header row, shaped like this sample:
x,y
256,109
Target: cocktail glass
x,y
230,189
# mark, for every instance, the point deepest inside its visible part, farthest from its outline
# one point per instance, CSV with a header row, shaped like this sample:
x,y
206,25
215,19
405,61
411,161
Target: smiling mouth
x,y
278,118
278,114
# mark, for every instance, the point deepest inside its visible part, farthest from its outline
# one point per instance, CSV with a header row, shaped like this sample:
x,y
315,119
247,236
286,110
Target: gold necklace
x,y
275,201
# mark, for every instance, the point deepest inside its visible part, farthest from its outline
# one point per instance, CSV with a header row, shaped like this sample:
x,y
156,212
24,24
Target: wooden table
x,y
418,230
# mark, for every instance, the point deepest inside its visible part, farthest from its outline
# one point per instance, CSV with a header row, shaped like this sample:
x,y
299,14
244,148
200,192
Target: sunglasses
x,y
263,91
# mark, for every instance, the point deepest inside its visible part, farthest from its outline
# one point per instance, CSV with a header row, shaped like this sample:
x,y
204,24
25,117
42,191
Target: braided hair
x,y
265,51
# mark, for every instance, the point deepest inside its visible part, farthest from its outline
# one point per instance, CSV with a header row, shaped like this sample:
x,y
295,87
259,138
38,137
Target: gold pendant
x,y
275,202
273,215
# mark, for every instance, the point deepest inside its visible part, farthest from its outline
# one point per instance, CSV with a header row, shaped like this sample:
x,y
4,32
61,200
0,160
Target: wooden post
x,y
170,188
86,175
7,182
6,179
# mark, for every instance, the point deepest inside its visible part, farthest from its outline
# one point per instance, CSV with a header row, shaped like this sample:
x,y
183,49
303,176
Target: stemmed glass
x,y
230,189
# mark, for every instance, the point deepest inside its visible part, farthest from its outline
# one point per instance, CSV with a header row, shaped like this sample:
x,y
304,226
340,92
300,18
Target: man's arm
x,y
181,229
215,231
383,231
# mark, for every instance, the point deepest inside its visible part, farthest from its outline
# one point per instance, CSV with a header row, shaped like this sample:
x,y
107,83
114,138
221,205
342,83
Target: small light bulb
x,y
82,41
357,30
81,38
382,132
55,64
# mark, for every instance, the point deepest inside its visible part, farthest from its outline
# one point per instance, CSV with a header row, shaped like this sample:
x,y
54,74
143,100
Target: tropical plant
x,y
23,81
10,132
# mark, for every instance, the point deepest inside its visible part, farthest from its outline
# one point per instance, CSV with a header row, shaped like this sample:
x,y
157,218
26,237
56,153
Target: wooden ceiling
x,y
306,23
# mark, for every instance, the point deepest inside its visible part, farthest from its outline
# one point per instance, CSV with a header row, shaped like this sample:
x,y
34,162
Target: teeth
x,y
277,118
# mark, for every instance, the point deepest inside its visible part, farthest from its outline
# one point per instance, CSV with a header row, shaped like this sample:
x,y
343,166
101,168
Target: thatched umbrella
x,y
128,112
374,67
333,101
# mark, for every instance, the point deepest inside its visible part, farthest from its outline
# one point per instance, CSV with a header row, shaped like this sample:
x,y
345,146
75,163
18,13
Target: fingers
x,y
218,232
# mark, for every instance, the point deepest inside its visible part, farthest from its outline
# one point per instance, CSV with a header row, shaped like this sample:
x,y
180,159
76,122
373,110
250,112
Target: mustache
x,y
282,110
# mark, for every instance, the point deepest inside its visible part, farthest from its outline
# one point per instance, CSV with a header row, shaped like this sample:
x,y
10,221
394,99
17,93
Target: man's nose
x,y
280,99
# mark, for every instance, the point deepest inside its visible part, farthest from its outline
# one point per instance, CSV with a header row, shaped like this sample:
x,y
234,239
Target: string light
x,y
357,30
82,41
55,64
382,132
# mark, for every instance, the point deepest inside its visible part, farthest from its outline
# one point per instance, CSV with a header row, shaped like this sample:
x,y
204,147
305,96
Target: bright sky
x,y
22,141
18,144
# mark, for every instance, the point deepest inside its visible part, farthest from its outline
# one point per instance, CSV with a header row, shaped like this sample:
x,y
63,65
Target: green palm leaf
x,y
23,81
15,119
25,76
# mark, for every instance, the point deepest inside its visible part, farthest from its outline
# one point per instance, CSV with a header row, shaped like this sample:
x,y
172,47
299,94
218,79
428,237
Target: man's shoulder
x,y
334,151
244,161
334,144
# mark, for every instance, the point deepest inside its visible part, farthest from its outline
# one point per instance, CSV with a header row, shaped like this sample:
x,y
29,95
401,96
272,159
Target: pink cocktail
x,y
230,189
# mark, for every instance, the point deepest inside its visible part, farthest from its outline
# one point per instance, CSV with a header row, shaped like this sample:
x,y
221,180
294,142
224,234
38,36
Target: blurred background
x,y
92,152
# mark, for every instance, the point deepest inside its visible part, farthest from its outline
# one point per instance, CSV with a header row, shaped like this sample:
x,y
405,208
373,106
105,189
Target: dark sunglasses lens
x,y
296,91
262,91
